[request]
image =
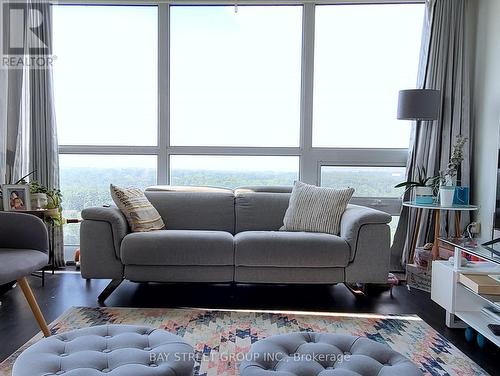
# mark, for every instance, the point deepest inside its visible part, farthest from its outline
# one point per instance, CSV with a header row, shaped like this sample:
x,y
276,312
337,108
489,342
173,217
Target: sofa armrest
x,y
354,218
101,235
114,217
23,231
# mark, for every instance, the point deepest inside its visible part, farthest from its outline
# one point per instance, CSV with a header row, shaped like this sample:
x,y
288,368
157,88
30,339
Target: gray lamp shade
x,y
418,104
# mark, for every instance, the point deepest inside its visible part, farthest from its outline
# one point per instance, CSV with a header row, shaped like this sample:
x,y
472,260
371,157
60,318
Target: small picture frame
x,y
16,197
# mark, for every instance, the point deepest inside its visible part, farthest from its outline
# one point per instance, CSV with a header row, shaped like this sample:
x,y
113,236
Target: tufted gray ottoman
x,y
118,350
321,354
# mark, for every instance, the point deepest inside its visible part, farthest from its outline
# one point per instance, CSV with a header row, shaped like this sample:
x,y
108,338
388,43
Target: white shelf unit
x,y
461,302
478,321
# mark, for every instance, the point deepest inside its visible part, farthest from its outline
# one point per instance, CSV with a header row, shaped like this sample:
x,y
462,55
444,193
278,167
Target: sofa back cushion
x,y
258,210
316,209
140,214
194,208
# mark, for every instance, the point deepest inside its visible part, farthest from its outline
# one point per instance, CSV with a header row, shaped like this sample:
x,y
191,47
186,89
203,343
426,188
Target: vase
x,y
424,195
446,195
38,201
53,213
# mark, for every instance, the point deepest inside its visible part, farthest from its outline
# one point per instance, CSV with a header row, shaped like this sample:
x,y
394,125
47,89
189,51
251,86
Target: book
x,y
480,284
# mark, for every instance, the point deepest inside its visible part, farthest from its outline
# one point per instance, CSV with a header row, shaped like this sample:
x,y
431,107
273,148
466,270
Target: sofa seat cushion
x,y
18,263
290,249
178,247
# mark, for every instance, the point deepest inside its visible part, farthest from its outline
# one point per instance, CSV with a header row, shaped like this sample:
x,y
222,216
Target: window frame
x,y
311,159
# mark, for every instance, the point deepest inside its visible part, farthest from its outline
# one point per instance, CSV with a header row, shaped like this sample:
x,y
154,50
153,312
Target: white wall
x,y
486,109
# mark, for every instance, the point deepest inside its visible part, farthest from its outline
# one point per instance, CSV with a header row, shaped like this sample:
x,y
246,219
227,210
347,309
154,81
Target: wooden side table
x,y
437,216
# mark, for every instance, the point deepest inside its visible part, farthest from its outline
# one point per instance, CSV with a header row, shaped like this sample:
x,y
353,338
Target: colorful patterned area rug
x,y
219,336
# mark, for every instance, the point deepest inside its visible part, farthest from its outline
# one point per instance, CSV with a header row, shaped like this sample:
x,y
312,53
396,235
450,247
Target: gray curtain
x,y
444,65
27,122
13,124
43,153
43,150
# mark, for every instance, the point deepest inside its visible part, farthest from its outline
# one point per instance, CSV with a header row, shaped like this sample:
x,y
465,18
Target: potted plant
x,y
45,198
54,200
448,176
423,187
38,195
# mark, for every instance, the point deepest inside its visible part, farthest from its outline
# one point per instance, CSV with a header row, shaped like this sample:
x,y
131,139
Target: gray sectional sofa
x,y
219,235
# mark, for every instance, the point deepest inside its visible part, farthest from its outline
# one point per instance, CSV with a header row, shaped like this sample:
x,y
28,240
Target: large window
x,y
229,96
364,54
235,77
105,75
367,181
85,181
233,171
374,186
106,96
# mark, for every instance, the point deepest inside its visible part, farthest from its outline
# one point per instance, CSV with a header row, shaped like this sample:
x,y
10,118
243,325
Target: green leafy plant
x,y
54,197
36,187
456,159
422,180
54,200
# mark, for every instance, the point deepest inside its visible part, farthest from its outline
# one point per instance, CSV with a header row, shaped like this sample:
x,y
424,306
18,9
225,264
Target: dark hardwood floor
x,y
65,290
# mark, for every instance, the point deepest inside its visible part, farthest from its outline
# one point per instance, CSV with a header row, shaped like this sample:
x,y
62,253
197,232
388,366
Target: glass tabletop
x,y
483,250
413,204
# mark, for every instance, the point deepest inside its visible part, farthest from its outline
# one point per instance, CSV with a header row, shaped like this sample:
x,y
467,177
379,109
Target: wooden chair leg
x,y
23,283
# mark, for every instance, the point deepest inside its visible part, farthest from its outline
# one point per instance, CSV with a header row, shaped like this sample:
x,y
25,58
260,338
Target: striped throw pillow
x,y
316,209
140,214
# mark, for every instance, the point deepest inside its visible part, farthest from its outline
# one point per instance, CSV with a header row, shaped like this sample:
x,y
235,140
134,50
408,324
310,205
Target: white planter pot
x,y
39,201
424,195
446,195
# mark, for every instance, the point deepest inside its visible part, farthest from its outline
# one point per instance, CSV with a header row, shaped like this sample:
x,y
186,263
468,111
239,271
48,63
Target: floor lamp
x,y
419,105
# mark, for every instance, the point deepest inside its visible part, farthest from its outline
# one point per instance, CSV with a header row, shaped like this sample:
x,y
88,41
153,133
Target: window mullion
x,y
308,165
163,92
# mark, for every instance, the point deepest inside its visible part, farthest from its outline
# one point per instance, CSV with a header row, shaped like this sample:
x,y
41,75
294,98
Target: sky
x,y
235,77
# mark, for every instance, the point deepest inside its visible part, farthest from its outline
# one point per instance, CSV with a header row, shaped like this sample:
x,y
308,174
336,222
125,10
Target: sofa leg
x,y
357,289
109,290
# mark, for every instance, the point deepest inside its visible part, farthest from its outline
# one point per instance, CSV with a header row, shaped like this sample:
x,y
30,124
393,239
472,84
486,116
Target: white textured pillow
x,y
135,206
316,209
